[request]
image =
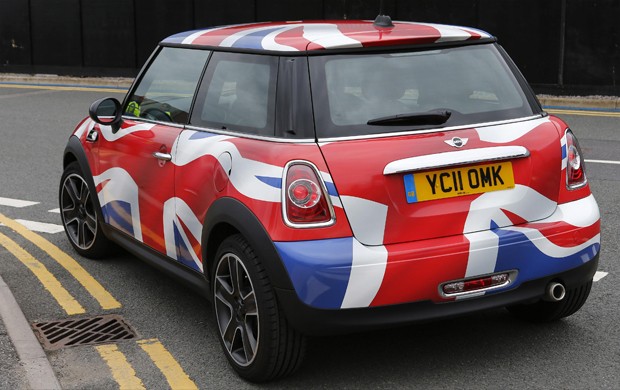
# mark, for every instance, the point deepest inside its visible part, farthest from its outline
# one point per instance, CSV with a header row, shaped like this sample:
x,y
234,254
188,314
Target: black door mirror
x,y
106,111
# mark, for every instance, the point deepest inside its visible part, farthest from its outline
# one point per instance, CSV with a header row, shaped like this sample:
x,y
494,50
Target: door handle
x,y
162,156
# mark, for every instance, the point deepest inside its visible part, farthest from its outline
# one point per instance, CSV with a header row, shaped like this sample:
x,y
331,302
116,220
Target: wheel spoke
x,y
229,334
223,292
82,234
70,216
249,342
91,223
72,191
84,193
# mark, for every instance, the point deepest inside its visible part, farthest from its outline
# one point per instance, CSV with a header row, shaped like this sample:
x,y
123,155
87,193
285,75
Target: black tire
x,y
256,338
81,220
543,311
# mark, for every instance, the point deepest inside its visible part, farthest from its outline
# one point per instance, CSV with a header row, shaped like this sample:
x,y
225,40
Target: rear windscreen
x,y
473,83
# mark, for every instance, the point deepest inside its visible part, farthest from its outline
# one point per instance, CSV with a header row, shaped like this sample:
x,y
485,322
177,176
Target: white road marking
x,y
603,162
55,211
16,202
40,227
599,275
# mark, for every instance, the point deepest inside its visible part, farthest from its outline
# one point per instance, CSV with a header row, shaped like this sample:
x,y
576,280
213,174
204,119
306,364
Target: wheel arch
x,y
74,152
228,216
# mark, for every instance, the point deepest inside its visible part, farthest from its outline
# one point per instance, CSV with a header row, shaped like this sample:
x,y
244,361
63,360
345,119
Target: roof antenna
x,y
383,20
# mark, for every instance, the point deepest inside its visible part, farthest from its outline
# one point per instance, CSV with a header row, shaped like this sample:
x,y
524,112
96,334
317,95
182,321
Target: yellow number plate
x,y
449,183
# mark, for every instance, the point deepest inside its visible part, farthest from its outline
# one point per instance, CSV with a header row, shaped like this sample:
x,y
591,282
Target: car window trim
x,y
235,134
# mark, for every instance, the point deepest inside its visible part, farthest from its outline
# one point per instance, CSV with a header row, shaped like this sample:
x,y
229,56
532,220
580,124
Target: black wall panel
x,y
158,19
592,42
56,32
15,47
530,31
217,13
561,45
108,33
275,10
459,12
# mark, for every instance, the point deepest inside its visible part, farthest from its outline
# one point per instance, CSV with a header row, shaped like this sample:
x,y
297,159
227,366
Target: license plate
x,y
453,182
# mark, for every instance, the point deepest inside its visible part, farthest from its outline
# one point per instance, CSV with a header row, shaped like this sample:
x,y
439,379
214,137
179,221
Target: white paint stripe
x,y
55,211
41,227
16,202
599,275
603,162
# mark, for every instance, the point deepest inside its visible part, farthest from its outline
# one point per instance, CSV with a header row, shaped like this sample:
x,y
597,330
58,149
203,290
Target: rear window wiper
x,y
434,117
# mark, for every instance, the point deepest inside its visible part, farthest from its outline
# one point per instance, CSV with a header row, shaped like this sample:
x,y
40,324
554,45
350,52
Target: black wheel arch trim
x,y
74,148
231,212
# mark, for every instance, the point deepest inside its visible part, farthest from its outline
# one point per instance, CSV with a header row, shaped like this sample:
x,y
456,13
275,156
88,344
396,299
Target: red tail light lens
x,y
575,168
305,200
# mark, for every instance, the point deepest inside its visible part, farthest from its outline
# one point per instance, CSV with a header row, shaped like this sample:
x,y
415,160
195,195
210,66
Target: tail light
x,y
305,200
575,168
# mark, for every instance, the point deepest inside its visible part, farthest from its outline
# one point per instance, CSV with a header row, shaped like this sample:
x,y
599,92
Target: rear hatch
x,y
417,187
432,143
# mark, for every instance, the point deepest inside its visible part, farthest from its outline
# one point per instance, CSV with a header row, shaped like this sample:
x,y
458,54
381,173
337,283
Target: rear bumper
x,y
337,276
315,321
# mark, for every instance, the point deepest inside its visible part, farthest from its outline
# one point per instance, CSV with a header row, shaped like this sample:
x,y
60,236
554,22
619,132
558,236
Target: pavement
x,y
23,363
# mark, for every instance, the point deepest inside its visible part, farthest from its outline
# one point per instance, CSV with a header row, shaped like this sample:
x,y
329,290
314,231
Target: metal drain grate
x,y
84,331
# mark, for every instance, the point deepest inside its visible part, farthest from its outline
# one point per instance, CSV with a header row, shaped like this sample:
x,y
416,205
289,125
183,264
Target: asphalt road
x,y
486,350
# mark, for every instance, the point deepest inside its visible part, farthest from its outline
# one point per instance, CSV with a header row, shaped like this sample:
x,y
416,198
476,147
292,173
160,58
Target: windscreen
x,y
372,93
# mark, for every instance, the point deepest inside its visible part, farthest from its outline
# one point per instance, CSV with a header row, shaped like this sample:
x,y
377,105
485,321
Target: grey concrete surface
x,y
484,350
34,366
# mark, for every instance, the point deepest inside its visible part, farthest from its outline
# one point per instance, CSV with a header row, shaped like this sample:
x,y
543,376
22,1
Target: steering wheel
x,y
156,114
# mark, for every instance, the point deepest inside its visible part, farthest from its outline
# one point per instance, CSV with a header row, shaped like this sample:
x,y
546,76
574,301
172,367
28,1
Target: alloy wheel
x,y
236,309
78,212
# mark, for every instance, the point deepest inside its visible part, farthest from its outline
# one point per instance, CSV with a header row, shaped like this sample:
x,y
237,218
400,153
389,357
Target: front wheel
x,y
544,311
79,216
256,337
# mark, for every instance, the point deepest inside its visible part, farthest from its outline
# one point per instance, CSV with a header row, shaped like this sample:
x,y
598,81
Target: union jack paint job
x,y
320,35
375,254
381,250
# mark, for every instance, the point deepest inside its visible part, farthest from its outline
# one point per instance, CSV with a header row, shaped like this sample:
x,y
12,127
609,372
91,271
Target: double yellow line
x,y
51,284
121,369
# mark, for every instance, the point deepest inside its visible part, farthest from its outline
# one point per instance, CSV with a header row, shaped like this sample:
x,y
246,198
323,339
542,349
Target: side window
x,y
167,88
238,94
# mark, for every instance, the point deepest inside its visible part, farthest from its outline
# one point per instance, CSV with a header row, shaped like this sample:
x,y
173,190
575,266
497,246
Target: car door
x,y
135,172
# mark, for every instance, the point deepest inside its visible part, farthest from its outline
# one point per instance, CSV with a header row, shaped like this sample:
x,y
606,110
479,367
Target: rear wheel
x,y
544,311
79,216
256,337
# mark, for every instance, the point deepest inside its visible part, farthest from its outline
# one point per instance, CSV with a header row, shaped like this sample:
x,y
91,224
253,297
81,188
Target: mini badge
x,y
457,142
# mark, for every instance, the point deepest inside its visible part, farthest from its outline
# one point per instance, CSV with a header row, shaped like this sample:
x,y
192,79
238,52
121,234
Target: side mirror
x,y
106,111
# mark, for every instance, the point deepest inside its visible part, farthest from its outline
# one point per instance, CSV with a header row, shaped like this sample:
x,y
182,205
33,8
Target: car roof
x,y
320,35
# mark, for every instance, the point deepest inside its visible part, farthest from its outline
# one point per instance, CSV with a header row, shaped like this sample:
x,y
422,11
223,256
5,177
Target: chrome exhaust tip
x,y
554,292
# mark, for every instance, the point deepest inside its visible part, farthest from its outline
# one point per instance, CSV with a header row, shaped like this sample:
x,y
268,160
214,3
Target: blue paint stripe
x,y
320,270
118,214
254,40
331,189
516,251
183,254
178,38
275,182
201,135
